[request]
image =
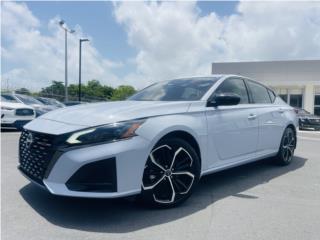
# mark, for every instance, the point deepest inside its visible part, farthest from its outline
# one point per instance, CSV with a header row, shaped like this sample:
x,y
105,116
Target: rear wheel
x,y
171,172
287,147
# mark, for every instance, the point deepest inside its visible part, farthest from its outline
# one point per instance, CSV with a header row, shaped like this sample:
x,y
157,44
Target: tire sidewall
x,y
279,158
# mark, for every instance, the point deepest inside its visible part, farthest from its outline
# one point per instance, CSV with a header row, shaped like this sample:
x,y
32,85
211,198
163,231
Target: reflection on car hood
x,y
103,113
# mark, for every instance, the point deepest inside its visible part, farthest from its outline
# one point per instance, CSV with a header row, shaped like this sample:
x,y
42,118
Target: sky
x,y
138,43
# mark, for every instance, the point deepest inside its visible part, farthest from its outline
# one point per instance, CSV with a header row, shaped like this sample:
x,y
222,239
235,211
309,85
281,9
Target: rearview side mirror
x,y
223,99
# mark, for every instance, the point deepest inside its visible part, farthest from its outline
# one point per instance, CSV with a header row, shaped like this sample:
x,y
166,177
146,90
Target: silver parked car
x,y
160,141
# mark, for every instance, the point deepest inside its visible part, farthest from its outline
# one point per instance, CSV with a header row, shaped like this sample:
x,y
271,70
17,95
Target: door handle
x,y
252,116
280,110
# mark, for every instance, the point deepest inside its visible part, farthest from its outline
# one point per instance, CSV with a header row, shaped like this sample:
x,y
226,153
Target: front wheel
x,y
287,147
171,172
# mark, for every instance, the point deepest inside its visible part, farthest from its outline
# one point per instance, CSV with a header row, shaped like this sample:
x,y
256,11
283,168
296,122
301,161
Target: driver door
x,y
232,130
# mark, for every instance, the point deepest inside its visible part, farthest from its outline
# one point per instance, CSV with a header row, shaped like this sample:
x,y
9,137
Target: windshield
x,y
8,98
191,89
28,100
50,101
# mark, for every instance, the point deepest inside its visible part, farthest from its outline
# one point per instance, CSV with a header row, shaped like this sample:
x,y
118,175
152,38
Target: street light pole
x,y
65,65
66,31
80,46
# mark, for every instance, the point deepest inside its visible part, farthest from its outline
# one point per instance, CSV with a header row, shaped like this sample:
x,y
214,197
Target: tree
x,y
91,91
56,90
122,92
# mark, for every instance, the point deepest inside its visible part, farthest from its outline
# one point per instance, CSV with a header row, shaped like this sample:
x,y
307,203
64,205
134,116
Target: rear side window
x,y
236,86
272,95
259,93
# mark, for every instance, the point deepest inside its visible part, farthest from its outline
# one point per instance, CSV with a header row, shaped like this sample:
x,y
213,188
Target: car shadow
x,y
123,215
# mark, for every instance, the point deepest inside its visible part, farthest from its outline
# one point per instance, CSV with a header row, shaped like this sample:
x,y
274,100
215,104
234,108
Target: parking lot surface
x,y
255,201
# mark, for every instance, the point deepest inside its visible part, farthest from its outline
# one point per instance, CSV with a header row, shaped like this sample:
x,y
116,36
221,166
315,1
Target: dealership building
x,y
296,82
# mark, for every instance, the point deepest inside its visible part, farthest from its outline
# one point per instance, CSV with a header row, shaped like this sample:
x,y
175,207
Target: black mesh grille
x,y
35,153
24,112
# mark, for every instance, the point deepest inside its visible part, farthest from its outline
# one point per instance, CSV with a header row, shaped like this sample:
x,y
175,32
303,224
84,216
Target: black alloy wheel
x,y
287,147
171,172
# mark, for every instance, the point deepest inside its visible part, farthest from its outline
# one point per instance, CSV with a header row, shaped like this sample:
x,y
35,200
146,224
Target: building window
x,y
292,96
296,100
317,105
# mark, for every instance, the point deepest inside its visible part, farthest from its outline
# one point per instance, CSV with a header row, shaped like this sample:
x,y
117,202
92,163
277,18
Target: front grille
x,y
35,153
24,112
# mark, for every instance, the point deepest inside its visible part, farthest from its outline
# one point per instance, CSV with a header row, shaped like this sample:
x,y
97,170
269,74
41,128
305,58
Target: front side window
x,y
235,86
259,93
176,90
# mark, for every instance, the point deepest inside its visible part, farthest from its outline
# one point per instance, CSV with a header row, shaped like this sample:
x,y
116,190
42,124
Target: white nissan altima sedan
x,y
160,141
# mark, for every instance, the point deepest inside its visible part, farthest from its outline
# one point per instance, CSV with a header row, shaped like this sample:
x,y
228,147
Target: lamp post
x,y
80,45
66,31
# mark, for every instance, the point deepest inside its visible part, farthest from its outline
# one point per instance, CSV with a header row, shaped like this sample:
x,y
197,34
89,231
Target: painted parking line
x,y
309,132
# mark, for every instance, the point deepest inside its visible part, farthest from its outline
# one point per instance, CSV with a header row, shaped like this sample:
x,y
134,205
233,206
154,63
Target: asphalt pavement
x,y
255,201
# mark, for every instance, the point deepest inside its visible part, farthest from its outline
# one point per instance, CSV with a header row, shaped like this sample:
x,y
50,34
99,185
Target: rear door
x,y
232,130
270,115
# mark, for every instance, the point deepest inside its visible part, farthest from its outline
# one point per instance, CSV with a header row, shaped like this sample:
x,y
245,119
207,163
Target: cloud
x,y
38,58
173,39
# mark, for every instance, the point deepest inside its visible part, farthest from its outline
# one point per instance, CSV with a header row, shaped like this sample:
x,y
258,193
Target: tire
x,y
171,173
287,147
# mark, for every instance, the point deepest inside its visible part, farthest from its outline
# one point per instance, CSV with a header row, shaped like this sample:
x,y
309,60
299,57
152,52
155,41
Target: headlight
x,y
6,108
302,119
105,133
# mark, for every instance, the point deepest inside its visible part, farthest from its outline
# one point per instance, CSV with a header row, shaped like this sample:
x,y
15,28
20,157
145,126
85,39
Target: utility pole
x,y
66,31
80,46
7,84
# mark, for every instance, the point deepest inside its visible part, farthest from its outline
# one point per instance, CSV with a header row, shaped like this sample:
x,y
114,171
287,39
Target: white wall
x,y
302,74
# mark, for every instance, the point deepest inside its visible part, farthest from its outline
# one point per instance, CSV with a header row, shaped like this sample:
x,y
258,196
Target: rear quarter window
x,y
259,93
272,95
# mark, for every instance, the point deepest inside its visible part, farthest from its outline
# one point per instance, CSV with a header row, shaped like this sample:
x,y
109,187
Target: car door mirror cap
x,y
224,99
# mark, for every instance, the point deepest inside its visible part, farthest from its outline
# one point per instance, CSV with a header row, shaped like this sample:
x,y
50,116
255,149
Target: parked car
x,y
160,141
51,102
39,107
307,120
15,114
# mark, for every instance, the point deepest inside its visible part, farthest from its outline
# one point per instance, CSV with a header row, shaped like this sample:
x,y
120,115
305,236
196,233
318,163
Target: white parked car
x,y
38,106
159,142
15,114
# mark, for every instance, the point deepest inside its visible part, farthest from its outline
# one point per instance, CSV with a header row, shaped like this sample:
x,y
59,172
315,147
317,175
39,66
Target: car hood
x,y
95,114
42,107
14,105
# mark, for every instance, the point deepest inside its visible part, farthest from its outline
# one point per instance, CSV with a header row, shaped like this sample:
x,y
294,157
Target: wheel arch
x,y
184,135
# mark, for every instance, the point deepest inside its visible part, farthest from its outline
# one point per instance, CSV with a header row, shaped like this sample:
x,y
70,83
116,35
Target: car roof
x,y
195,77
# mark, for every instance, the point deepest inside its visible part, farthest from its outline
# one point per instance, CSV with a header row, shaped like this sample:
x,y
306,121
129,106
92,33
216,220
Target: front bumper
x,y
18,124
129,157
10,120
